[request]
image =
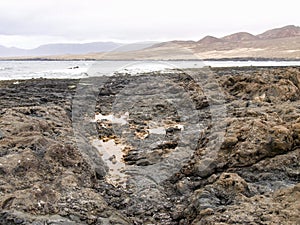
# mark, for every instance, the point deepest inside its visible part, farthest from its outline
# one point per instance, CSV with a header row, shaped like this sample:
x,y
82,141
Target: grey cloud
x,y
138,20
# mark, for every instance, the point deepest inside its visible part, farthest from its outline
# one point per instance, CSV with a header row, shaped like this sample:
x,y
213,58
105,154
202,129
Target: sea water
x,y
11,70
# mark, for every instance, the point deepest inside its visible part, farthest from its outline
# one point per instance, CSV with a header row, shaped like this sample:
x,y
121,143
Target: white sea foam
x,y
5,68
10,70
139,68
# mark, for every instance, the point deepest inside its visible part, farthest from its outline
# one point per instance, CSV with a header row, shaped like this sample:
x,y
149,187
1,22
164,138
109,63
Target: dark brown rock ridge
x,y
46,178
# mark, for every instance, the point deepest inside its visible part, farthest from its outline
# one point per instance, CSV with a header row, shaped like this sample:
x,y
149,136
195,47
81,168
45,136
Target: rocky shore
x,y
211,146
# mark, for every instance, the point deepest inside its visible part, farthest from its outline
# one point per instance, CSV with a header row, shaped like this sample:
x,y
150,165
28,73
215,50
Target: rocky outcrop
x,y
196,150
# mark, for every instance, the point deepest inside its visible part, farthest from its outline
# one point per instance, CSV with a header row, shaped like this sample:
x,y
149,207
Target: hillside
x,y
279,43
287,31
209,40
241,36
72,49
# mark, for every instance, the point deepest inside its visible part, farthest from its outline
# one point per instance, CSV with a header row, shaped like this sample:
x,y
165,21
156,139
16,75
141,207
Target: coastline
x,y
53,58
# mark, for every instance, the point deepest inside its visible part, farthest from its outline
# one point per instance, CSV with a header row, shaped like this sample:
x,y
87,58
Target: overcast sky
x,y
29,23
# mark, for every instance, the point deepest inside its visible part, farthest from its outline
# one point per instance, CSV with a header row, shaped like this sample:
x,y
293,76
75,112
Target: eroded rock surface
x,y
179,169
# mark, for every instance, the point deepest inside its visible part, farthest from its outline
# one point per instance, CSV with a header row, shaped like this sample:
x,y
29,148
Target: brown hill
x,y
172,43
280,43
209,40
241,36
287,31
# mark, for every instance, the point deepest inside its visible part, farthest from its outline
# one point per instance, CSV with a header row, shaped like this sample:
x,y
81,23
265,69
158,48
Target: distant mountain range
x,y
63,49
284,32
279,43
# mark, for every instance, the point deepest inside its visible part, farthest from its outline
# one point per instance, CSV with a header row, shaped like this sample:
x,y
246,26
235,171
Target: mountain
x,y
172,44
134,46
241,36
73,49
59,49
279,43
287,31
5,51
209,40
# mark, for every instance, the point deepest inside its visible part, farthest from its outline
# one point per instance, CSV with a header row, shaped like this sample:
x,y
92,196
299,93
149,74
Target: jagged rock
x,y
246,170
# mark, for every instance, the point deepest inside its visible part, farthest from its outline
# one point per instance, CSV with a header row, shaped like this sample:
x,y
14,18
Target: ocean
x,y
16,70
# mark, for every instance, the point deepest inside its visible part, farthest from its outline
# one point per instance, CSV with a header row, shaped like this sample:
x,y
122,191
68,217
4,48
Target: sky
x,y
30,23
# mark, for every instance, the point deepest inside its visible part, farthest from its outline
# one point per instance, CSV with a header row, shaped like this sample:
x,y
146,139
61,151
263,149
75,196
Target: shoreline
x,y
217,68
94,59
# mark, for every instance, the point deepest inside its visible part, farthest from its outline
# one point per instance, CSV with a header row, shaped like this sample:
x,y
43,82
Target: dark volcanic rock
x,y
184,162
